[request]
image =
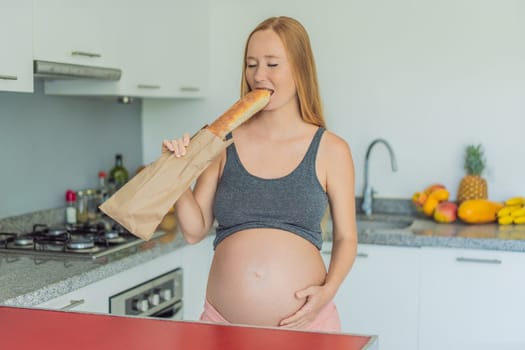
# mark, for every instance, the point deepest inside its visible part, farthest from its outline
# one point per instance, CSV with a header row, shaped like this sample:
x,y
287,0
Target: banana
x,y
515,201
506,211
518,213
505,220
519,220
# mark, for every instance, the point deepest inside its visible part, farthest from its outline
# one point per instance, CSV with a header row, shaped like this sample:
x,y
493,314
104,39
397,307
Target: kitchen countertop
x,y
423,232
32,329
28,281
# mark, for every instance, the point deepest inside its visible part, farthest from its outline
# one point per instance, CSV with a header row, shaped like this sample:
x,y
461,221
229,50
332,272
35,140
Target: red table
x,y
24,328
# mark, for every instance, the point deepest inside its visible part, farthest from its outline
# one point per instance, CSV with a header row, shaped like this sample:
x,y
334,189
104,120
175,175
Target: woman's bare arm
x,y
194,208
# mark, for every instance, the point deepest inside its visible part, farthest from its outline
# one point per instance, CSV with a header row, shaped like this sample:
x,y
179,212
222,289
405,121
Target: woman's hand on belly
x,y
316,298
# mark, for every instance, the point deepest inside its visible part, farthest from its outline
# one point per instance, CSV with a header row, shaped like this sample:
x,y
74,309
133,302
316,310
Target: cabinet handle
x,y
476,260
190,88
358,255
86,54
8,77
148,86
72,304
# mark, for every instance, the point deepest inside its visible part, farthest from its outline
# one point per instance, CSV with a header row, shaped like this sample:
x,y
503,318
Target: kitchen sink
x,y
383,222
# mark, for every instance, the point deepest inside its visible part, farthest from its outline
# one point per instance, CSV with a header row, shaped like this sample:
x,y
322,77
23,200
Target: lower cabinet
x,y
92,298
95,297
197,262
435,298
472,299
380,295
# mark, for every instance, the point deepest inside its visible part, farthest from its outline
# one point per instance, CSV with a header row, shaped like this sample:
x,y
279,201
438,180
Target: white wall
x,y
429,76
51,143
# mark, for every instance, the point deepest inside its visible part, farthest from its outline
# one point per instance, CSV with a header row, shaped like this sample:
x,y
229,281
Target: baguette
x,y
241,111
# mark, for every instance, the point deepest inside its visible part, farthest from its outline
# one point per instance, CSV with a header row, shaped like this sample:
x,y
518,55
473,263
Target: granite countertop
x,y
423,232
28,281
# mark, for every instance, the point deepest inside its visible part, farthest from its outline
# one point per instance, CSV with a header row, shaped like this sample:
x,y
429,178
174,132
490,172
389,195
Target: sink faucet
x,y
368,191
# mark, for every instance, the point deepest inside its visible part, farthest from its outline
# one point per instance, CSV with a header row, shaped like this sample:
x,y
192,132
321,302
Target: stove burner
x,y
23,241
111,235
91,250
56,231
87,228
46,231
49,245
80,243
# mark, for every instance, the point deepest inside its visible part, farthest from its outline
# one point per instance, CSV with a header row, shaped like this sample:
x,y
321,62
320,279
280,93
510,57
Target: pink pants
x,y
326,321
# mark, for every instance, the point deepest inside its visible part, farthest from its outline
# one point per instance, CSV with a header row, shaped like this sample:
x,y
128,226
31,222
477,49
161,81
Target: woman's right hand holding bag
x,y
177,146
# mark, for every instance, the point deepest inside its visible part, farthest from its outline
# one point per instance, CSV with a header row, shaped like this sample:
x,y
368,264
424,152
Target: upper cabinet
x,y
163,48
72,31
160,45
16,59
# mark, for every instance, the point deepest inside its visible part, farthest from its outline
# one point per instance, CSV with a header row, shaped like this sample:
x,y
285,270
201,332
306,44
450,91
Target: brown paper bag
x,y
140,205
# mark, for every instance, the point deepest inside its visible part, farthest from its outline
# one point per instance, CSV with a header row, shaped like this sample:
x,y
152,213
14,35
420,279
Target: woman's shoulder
x,y
335,157
333,143
334,152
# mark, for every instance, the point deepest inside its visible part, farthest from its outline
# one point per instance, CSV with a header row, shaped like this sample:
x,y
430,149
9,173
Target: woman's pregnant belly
x,y
255,274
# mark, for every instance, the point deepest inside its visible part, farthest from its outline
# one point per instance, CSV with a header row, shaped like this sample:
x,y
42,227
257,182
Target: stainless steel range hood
x,y
64,71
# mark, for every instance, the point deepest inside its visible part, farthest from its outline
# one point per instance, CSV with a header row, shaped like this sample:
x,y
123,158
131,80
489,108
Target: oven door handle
x,y
168,311
177,307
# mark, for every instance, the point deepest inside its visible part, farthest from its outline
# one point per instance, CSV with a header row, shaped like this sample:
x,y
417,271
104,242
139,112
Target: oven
x,y
160,297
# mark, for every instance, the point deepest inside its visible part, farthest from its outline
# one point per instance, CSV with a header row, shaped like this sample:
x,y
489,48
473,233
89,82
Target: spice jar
x,y
71,210
91,200
82,207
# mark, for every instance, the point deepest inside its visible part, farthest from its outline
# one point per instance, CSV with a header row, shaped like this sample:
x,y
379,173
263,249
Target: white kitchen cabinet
x,y
95,297
380,295
162,49
472,299
188,56
73,31
92,298
16,59
197,262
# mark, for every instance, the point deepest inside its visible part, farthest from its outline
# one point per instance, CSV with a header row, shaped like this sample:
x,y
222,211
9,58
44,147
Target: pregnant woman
x,y
269,192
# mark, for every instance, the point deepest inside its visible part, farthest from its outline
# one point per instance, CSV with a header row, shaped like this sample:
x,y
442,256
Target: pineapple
x,y
473,186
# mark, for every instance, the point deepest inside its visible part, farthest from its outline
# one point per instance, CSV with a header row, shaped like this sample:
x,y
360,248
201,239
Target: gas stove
x,y
86,241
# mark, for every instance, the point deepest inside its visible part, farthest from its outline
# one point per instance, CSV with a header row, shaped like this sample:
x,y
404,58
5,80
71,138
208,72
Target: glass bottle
x,y
118,175
102,191
82,212
91,200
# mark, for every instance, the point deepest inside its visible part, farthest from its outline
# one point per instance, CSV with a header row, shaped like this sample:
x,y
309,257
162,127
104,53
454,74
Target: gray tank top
x,y
295,203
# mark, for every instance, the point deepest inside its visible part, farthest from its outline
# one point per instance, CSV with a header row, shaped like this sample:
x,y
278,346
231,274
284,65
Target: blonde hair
x,y
299,52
